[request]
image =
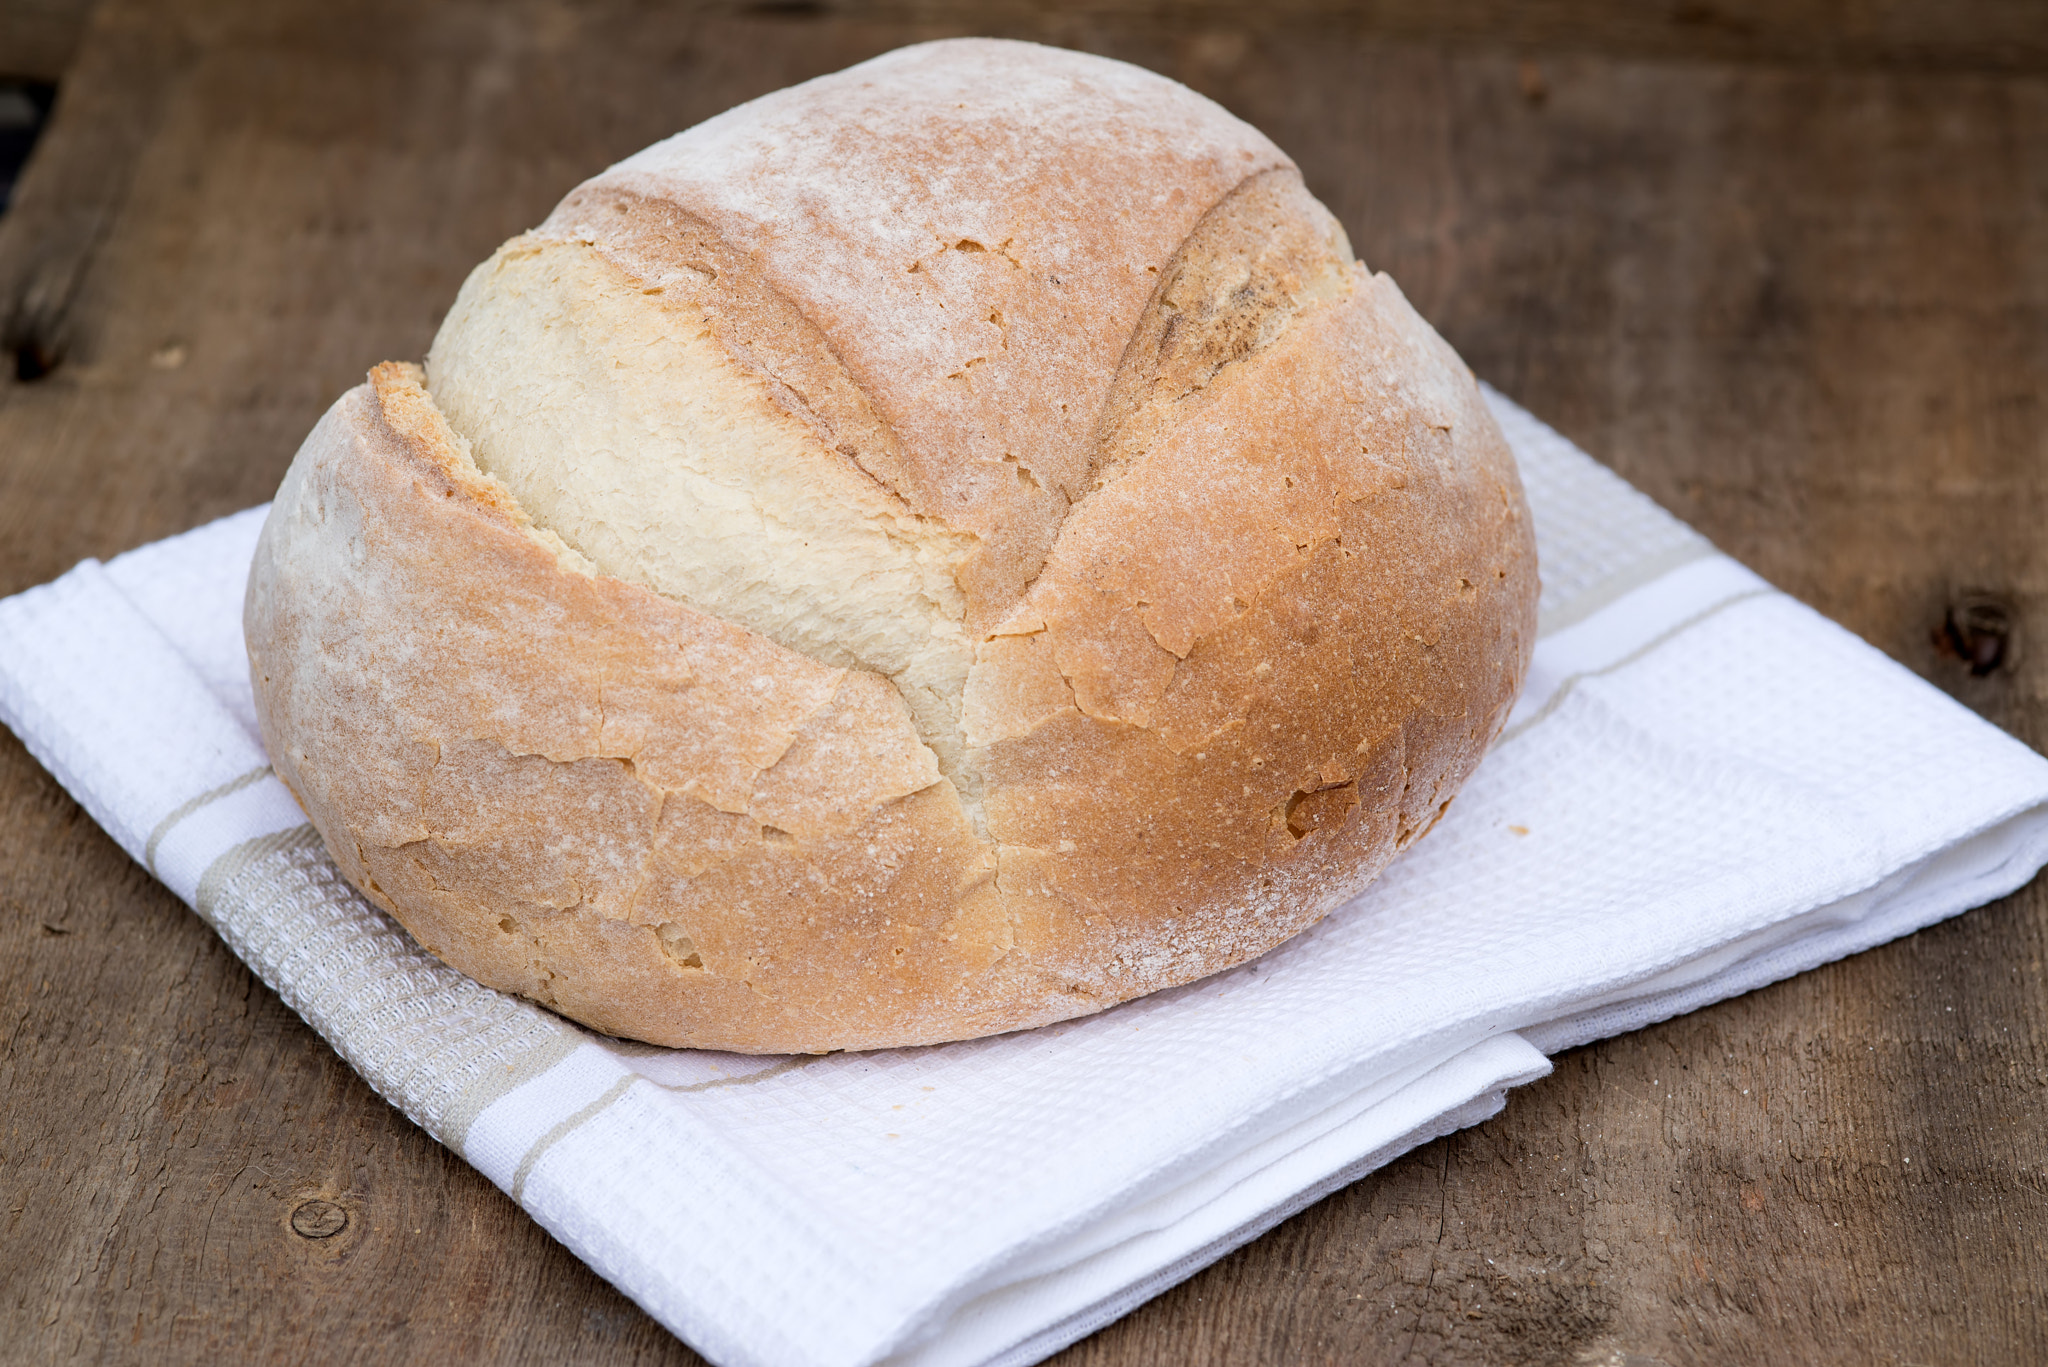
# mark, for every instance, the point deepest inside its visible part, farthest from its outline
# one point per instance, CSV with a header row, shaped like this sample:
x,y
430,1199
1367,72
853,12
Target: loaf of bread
x,y
940,549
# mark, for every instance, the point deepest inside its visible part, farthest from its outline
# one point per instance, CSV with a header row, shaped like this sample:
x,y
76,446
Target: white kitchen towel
x,y
1707,787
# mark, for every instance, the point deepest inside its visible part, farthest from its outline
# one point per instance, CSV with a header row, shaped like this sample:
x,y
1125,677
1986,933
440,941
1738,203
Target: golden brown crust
x,y
538,771
1254,592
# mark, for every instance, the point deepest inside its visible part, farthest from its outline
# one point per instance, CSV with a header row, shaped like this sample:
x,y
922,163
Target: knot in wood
x,y
1979,631
318,1220
35,328
35,355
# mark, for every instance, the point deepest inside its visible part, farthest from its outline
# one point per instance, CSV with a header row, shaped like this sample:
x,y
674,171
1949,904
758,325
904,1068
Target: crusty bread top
x,y
959,239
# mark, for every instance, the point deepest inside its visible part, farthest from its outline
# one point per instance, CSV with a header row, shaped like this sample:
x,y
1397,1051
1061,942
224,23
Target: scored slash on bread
x,y
941,549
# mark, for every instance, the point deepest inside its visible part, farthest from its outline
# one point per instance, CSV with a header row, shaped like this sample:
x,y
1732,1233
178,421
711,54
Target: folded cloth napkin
x,y
1707,787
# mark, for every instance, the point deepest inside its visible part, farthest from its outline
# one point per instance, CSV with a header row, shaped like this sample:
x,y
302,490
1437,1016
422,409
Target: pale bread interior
x,y
623,426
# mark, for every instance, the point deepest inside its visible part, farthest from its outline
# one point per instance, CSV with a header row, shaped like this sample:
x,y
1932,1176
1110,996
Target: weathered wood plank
x,y
1963,35
39,38
1802,304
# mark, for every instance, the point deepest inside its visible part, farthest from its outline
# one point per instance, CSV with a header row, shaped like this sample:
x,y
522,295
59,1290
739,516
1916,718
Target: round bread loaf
x,y
944,548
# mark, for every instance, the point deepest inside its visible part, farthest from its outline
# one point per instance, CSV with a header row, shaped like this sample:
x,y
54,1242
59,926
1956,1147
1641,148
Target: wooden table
x,y
1784,266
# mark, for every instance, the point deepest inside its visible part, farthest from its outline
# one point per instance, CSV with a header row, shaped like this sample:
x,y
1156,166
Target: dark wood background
x,y
1784,265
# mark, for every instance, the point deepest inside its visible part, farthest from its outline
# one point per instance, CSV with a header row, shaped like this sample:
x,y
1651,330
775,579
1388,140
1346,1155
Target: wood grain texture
x,y
39,38
1792,286
1966,35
